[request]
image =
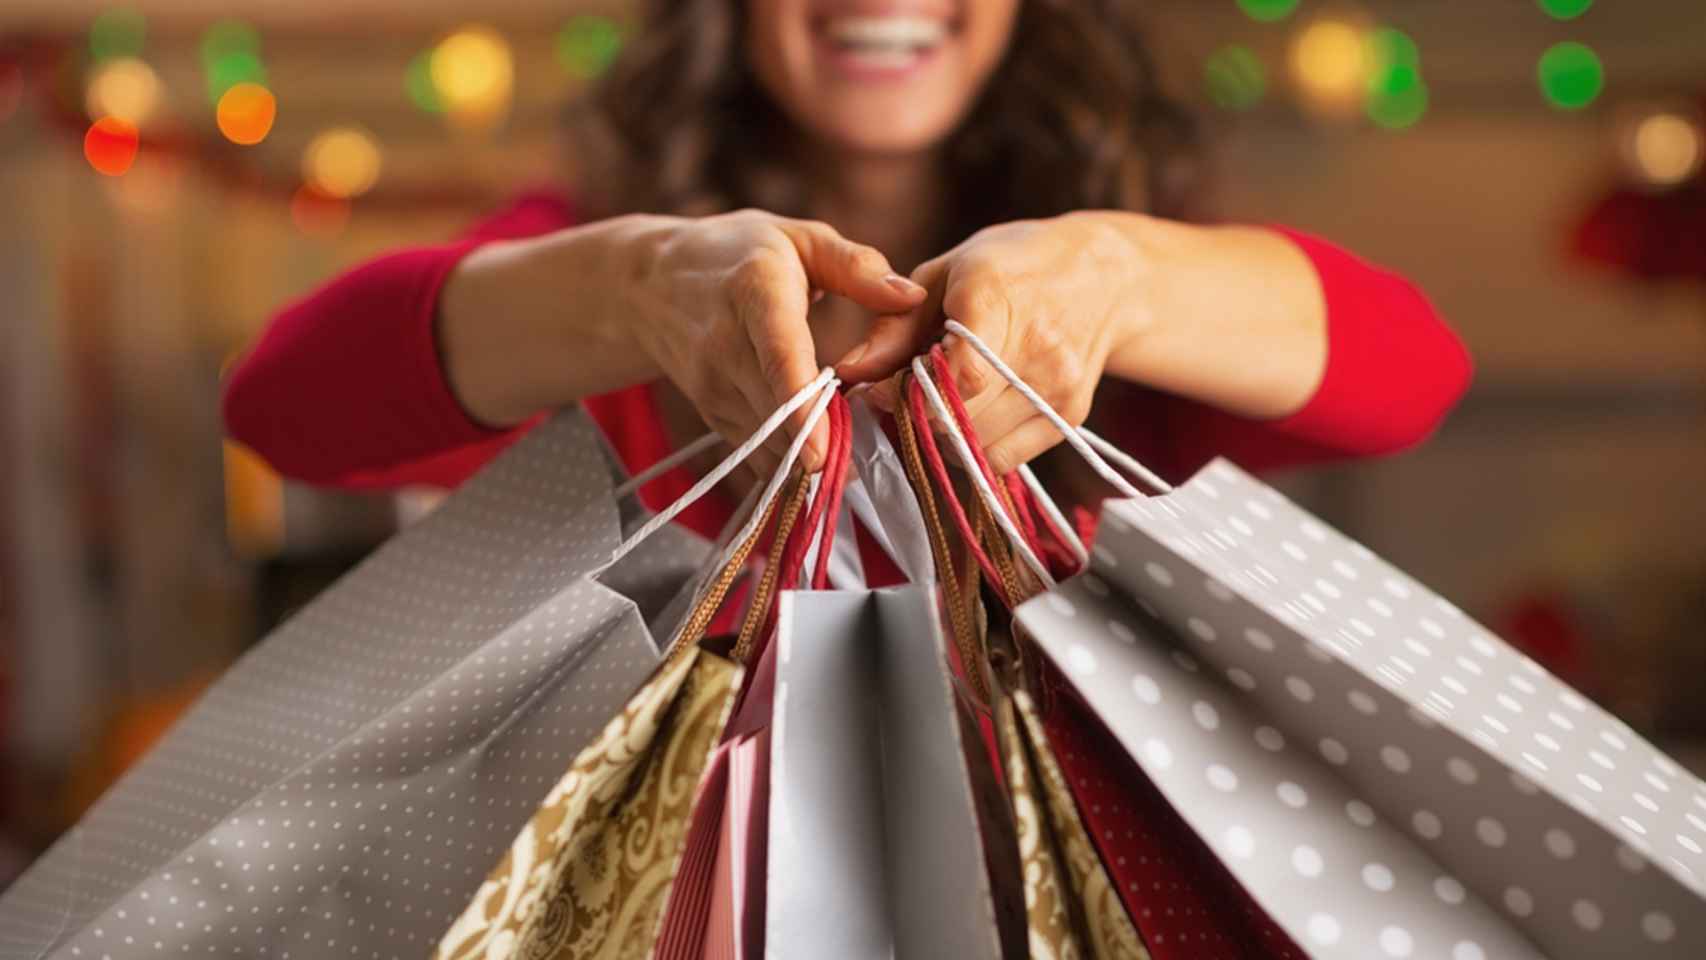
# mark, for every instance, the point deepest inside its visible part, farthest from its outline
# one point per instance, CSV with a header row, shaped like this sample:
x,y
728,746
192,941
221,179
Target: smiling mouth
x,y
884,43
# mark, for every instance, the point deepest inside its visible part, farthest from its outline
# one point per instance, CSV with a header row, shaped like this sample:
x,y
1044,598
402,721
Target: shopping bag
x,y
878,845
1568,827
343,788
589,874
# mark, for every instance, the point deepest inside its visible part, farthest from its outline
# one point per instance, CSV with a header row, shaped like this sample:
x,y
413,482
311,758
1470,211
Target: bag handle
x,y
1080,438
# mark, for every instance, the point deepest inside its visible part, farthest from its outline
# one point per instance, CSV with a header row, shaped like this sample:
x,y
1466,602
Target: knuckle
x,y
975,377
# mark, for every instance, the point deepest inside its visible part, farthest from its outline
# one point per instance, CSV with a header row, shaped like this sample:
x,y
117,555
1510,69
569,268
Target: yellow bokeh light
x,y
1668,149
1330,65
473,72
246,113
123,87
342,162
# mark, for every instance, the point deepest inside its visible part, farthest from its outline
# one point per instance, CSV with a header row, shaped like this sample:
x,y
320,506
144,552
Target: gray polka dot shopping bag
x,y
344,789
1382,775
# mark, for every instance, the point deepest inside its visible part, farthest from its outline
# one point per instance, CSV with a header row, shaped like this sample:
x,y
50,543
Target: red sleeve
x,y
344,387
1394,369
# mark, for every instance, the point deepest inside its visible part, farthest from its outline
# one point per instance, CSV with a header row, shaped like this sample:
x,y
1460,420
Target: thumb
x,y
853,270
895,338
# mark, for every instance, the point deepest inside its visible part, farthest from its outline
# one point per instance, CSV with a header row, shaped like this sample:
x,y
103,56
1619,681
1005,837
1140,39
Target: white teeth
x,y
900,33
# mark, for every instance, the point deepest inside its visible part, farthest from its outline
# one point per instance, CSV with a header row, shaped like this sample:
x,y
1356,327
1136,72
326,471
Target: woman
x,y
1014,160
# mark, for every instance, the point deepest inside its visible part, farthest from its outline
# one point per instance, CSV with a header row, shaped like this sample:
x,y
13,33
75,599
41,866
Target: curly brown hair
x,y
1072,119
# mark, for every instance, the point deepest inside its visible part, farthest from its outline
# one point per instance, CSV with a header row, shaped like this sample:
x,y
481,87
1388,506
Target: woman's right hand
x,y
716,304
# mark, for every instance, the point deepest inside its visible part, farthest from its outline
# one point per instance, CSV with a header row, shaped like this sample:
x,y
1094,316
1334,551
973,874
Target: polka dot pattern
x,y
1445,736
343,790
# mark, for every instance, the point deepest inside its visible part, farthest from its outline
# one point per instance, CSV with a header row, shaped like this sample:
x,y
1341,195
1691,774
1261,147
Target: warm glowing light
x,y
246,113
1235,77
119,32
1398,109
474,73
231,54
417,82
1267,11
1565,9
110,146
342,162
316,213
1667,149
124,87
1571,76
1330,64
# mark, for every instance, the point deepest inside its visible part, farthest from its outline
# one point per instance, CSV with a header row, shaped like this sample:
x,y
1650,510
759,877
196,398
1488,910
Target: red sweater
x,y
345,386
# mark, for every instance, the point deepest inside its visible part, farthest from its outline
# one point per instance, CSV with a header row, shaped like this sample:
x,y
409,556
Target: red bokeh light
x,y
110,146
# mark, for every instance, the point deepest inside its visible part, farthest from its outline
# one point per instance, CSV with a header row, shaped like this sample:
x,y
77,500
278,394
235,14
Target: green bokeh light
x,y
418,83
1395,65
1565,9
587,45
1571,75
1398,109
118,32
1235,78
1267,11
231,54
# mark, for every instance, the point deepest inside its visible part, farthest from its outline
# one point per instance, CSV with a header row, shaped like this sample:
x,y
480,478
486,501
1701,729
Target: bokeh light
x,y
118,32
1571,76
1330,64
1397,97
1667,149
1235,77
246,113
342,162
1565,9
417,82
1267,11
317,214
1398,109
110,146
123,87
474,74
587,45
231,54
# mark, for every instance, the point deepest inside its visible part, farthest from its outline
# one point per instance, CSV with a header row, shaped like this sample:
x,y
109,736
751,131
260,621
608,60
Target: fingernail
x,y
855,355
817,294
903,285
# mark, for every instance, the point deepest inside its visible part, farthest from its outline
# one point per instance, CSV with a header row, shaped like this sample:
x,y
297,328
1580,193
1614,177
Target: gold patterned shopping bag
x,y
588,876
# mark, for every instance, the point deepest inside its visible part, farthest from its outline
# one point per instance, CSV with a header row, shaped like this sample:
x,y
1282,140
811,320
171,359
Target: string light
x,y
119,32
1571,76
1267,11
1397,97
1235,77
245,113
110,146
342,162
1565,9
1330,64
587,45
417,83
1667,149
123,87
474,74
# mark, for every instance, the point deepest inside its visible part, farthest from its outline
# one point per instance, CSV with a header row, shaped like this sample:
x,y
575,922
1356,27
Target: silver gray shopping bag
x,y
879,833
343,789
1385,776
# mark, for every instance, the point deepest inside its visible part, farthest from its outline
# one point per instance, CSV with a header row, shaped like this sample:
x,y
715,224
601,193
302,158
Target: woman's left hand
x,y
1053,298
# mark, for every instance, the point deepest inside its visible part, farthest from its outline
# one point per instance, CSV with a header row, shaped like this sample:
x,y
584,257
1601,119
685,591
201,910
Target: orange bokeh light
x,y
245,113
318,214
110,146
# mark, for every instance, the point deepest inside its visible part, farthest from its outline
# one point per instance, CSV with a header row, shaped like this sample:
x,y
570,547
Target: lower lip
x,y
856,67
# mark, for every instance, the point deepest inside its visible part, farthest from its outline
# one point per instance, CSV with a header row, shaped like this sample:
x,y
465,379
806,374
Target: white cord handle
x,y
1080,439
978,480
822,387
1056,518
667,464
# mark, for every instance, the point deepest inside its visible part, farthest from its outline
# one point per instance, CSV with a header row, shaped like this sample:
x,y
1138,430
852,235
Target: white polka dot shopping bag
x,y
1384,776
345,788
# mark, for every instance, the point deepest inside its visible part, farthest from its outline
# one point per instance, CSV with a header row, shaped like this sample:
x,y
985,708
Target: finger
x,y
769,297
977,299
853,270
1006,413
895,338
1022,444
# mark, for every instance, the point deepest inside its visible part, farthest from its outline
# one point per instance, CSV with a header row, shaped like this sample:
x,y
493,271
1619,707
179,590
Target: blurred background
x,y
171,172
